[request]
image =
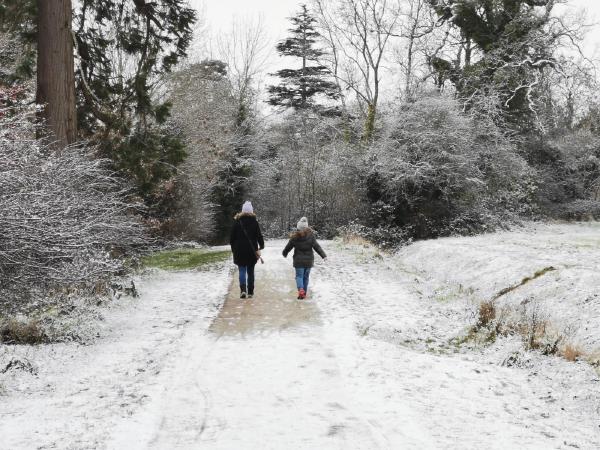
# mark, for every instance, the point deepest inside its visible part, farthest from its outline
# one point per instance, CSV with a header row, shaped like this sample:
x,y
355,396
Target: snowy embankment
x,y
409,311
370,361
556,268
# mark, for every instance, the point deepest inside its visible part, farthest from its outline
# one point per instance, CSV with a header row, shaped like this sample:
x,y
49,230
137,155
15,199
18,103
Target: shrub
x,y
67,220
486,314
568,168
22,332
439,171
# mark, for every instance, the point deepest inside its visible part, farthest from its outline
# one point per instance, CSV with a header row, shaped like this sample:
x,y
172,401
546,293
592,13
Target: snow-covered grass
x,y
75,317
419,302
184,258
548,269
72,396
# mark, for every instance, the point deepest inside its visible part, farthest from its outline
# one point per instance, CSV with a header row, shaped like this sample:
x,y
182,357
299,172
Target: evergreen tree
x,y
17,24
124,49
300,88
39,36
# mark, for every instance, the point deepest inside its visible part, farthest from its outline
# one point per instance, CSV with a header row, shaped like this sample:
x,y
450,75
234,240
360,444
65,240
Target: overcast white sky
x,y
592,10
219,13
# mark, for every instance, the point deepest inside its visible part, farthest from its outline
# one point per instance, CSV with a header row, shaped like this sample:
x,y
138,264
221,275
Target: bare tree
x,y
331,58
307,170
418,23
244,50
204,112
360,33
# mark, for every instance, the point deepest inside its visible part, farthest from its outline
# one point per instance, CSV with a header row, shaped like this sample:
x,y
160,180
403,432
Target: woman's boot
x,y
243,289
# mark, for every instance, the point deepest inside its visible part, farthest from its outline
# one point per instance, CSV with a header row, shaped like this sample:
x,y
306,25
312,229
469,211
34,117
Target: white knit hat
x,y
302,224
247,208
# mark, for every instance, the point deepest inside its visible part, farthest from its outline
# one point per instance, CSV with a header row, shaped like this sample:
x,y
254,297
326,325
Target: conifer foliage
x,y
301,88
123,49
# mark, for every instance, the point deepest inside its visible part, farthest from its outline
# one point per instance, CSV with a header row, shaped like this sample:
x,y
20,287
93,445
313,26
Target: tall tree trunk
x,y
55,69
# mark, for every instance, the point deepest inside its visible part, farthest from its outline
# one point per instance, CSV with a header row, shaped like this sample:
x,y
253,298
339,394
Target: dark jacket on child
x,y
244,247
303,243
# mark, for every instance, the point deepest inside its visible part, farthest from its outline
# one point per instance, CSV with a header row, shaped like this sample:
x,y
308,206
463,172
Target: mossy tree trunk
x,y
370,122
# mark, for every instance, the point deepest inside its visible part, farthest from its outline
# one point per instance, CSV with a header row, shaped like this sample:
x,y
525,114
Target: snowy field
x,y
373,360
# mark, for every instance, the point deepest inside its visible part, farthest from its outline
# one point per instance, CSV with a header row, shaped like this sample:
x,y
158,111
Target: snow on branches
x,y
65,215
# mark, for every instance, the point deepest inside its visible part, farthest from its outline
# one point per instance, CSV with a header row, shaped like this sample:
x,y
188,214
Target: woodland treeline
x,y
124,122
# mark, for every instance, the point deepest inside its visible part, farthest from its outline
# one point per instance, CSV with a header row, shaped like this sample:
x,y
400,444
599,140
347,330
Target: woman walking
x,y
246,243
303,241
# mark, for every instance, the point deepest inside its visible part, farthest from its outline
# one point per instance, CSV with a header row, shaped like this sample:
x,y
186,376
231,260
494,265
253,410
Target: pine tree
x,y
300,88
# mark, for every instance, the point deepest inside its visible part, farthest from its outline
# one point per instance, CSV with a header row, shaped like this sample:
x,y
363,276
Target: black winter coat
x,y
303,243
244,249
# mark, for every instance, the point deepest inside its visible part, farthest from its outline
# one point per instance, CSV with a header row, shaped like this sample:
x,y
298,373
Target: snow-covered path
x,y
181,369
266,377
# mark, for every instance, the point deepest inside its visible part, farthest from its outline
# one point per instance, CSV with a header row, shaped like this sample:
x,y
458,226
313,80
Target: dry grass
x,y
572,352
17,332
355,239
593,358
486,314
528,322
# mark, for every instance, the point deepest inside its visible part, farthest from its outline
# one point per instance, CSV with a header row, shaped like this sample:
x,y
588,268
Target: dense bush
x,y
568,168
66,220
438,171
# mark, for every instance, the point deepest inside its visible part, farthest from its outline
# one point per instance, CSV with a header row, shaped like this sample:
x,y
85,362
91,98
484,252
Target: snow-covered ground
x,y
368,362
483,266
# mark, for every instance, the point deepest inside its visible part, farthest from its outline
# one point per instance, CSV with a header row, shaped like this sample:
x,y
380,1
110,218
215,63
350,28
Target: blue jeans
x,y
247,279
302,277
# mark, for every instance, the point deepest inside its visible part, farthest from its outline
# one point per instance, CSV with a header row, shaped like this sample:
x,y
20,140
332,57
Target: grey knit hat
x,y
302,224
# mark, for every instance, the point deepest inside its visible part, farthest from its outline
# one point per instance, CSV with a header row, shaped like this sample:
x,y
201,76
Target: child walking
x,y
303,241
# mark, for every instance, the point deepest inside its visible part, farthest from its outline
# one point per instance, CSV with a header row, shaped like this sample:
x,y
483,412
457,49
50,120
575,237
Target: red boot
x,y
301,294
